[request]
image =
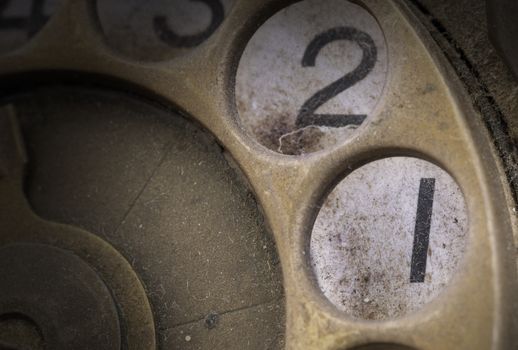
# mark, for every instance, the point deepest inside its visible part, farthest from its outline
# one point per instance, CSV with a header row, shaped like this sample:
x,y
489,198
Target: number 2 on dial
x,y
307,115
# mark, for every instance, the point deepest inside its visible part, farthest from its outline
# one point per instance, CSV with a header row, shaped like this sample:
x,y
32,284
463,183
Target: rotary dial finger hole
x,y
160,29
389,238
21,20
311,76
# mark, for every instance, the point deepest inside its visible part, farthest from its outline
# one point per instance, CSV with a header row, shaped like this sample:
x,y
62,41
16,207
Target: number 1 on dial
x,y
423,222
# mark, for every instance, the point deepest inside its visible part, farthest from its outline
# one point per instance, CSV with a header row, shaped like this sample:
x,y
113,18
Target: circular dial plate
x,y
420,110
160,191
61,294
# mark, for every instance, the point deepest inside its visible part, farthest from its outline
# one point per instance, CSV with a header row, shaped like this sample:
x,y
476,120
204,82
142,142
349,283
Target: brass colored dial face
x,y
260,174
103,161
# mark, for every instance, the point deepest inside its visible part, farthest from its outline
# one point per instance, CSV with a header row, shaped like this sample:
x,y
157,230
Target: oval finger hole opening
x,y
158,30
389,237
21,20
311,75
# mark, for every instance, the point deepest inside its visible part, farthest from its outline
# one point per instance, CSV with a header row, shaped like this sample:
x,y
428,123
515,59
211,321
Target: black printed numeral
x,y
307,114
168,36
423,222
31,23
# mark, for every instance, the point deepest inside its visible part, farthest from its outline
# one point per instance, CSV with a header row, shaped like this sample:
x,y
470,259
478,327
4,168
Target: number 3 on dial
x,y
185,41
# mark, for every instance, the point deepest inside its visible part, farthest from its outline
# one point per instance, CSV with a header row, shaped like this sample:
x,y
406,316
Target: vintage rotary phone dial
x,y
223,174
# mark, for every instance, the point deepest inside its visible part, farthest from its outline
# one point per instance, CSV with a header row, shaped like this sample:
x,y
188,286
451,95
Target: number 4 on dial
x,y
32,23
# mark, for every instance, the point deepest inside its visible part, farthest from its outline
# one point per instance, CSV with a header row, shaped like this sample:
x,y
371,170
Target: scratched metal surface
x,y
423,112
161,192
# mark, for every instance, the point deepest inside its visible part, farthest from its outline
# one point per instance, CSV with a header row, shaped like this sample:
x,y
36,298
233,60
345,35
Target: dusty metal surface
x,y
159,190
464,40
20,226
423,113
503,30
